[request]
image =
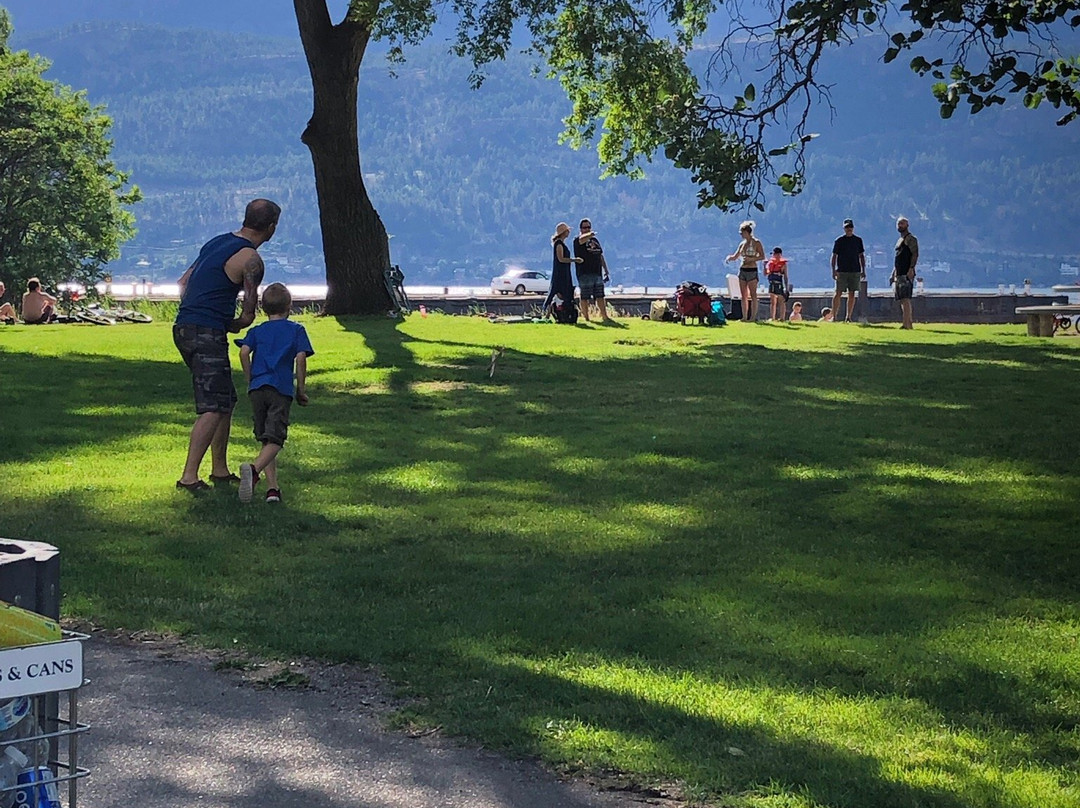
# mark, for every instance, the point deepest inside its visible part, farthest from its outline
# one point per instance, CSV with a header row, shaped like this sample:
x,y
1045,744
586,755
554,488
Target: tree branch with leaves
x,y
63,202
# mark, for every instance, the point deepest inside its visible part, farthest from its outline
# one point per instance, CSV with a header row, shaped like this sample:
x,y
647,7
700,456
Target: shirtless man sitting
x,y
37,307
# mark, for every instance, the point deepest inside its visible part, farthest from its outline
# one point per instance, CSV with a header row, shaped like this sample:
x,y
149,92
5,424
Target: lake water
x,y
301,291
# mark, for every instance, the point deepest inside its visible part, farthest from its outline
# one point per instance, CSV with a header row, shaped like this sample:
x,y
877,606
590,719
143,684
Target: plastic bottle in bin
x,y
13,711
36,750
37,789
12,762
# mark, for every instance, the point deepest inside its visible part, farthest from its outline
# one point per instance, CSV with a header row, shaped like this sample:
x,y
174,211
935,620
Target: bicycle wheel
x,y
132,316
94,318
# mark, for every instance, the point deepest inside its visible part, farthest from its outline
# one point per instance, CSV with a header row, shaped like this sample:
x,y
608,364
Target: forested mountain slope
x,y
466,181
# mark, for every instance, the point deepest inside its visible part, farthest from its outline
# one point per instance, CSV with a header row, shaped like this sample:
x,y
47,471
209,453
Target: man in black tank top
x,y
903,274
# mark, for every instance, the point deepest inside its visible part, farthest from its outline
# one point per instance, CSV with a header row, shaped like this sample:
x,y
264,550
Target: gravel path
x,y
169,730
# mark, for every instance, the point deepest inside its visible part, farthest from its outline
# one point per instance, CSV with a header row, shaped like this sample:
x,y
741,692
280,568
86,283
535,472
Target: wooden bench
x,y
1044,321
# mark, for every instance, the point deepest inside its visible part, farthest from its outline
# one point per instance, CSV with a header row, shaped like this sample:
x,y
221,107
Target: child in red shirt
x,y
776,272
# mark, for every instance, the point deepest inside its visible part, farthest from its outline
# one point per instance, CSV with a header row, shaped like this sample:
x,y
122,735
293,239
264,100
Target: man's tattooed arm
x,y
253,275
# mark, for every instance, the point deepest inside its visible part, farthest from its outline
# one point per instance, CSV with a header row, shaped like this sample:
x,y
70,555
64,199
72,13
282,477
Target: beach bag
x,y
692,288
657,310
564,311
693,304
716,315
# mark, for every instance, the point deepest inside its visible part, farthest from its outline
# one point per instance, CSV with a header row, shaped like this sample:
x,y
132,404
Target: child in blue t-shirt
x,y
267,353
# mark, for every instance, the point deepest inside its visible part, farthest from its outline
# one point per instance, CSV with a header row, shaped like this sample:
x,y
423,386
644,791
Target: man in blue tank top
x,y
208,291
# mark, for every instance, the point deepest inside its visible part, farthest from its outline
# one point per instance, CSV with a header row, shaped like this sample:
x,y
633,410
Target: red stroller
x,y
692,300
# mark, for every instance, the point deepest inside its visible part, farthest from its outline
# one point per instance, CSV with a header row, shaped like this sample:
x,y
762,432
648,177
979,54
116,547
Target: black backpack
x,y
565,312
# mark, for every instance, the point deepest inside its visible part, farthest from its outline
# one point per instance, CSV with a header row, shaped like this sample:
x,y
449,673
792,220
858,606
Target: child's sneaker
x,y
248,478
273,495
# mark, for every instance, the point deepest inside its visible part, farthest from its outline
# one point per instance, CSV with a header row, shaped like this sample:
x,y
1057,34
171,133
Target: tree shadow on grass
x,y
713,427
722,607
388,345
513,616
776,519
63,402
735,758
499,598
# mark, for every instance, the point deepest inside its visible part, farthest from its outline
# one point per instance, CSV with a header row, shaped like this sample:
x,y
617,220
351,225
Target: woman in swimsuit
x,y
750,251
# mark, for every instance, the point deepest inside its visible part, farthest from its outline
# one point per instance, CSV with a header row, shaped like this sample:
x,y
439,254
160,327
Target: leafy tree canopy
x,y
62,200
623,64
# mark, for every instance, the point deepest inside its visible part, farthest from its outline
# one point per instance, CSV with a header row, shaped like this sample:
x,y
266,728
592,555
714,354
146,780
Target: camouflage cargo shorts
x,y
206,353
591,287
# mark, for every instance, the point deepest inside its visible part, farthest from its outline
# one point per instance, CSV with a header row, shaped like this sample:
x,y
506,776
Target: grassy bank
x,y
779,565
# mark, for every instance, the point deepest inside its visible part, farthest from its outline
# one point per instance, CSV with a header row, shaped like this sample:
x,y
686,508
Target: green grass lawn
x,y
776,565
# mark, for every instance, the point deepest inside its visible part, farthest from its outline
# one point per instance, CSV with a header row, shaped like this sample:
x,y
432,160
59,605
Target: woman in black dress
x,y
561,294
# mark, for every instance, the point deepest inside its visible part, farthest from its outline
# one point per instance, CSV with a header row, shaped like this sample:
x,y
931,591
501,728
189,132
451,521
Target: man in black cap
x,y
848,269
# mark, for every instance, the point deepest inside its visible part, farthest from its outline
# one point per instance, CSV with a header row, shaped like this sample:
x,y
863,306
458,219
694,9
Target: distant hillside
x,y
466,181
261,17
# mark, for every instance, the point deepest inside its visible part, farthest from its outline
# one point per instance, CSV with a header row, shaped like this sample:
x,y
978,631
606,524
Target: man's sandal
x,y
194,487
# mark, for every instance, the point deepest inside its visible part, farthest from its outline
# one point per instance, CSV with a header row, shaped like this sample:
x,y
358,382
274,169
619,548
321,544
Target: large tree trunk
x,y
355,246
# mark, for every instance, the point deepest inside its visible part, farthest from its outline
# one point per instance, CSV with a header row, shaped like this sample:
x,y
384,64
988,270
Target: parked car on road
x,y
520,281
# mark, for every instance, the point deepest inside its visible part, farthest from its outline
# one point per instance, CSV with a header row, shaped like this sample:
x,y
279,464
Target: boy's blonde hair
x,y
277,299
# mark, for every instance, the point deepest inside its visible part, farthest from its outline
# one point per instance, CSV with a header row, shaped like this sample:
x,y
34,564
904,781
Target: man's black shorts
x,y
206,353
903,288
271,412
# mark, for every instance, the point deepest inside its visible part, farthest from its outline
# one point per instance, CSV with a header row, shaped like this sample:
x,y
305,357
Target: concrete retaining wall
x,y
929,308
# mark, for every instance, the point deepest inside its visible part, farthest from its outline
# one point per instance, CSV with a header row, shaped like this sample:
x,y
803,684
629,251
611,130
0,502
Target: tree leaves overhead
x,y
623,66
638,87
998,47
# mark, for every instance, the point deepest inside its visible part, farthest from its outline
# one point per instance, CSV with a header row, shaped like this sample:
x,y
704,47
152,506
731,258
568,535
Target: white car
x,y
520,281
